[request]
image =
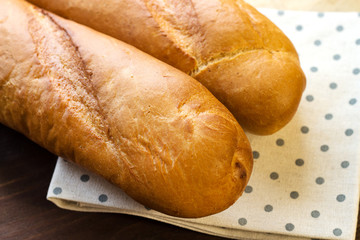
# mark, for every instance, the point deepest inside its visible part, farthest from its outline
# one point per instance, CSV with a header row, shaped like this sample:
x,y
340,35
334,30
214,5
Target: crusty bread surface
x,y
227,45
145,126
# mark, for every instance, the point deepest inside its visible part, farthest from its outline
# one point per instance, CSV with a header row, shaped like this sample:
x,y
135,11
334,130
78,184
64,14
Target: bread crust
x,y
143,125
207,40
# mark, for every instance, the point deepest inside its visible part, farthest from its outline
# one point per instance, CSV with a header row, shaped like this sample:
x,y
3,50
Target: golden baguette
x,y
145,126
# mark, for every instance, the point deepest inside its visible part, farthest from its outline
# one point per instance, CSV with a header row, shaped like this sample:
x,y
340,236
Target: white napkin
x,y
308,5
305,182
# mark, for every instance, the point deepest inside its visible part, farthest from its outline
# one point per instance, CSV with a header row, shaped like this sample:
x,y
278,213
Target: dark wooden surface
x,y
25,173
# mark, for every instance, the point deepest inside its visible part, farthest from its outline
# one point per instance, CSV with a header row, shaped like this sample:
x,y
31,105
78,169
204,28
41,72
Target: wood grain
x,y
25,173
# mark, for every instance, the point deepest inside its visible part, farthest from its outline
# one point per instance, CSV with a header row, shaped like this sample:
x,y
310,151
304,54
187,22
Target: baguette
x,y
145,126
228,46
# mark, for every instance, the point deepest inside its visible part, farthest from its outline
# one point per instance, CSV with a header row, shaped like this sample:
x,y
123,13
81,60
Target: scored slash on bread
x,y
145,126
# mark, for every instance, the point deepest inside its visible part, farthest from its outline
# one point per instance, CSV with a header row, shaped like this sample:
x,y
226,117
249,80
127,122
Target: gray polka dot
x,y
289,227
352,101
317,42
256,154
349,132
319,180
328,116
339,28
345,164
299,27
84,178
337,232
340,197
310,98
280,142
324,148
57,190
103,198
294,195
281,13
315,214
336,57
242,221
274,175
357,42
333,85
304,129
248,189
314,69
320,14
268,208
299,162
356,71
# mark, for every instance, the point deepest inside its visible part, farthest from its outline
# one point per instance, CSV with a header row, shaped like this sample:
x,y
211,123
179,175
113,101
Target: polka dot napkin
x,y
305,182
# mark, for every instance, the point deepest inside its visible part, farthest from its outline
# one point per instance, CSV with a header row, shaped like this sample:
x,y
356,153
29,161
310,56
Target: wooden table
x,y
25,173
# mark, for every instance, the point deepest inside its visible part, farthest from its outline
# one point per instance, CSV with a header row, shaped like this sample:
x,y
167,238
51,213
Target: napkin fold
x,y
305,182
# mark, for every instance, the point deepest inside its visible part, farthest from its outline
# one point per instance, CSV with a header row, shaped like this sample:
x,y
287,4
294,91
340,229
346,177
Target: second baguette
x,y
238,54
